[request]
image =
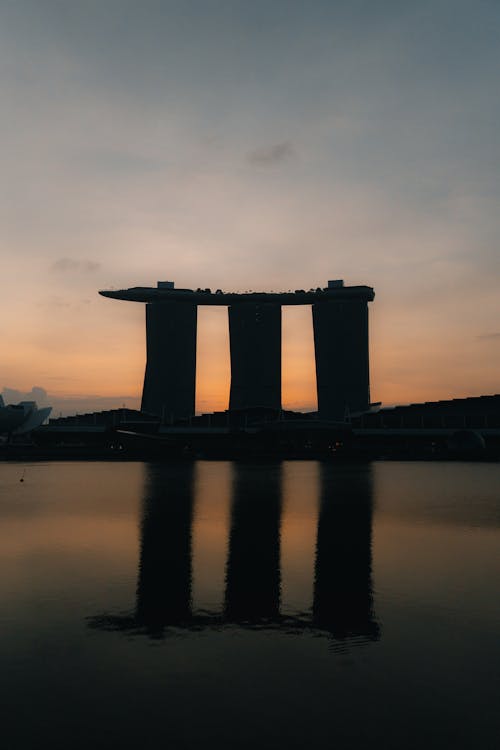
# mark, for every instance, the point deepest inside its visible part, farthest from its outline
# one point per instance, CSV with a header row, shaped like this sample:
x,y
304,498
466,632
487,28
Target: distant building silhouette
x,y
255,339
342,358
170,378
340,321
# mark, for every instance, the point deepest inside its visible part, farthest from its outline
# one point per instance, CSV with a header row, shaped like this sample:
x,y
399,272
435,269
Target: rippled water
x,y
249,606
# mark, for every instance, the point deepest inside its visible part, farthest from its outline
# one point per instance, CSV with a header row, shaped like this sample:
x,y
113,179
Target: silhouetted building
x,y
255,340
475,412
342,356
340,320
170,379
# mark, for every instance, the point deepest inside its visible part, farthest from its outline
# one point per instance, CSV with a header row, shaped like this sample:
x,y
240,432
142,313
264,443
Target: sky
x,y
248,145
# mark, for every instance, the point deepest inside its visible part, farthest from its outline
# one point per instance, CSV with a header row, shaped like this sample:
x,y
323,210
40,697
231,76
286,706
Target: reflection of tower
x,y
169,381
343,596
165,567
255,336
253,566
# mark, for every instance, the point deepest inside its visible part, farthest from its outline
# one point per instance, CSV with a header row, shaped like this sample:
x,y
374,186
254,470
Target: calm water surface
x,y
249,606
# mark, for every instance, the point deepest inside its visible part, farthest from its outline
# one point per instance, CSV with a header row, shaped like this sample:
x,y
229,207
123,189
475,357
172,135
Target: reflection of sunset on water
x,y
165,580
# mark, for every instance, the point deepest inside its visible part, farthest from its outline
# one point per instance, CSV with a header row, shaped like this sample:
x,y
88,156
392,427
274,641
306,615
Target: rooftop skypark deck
x,y
165,292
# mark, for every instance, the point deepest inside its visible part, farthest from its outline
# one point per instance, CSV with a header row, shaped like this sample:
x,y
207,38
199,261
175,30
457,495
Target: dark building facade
x,y
342,357
340,322
255,342
170,378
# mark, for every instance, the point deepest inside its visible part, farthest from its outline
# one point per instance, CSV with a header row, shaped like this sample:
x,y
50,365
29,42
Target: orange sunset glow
x,y
108,360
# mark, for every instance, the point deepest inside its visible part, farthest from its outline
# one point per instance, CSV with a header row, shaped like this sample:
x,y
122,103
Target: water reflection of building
x,y
253,565
165,563
342,591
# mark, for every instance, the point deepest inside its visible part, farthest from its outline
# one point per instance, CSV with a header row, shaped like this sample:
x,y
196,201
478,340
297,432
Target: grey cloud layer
x,y
489,336
268,156
74,265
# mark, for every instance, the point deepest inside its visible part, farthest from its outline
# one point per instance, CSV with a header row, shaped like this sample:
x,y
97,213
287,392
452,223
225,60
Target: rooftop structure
x,y
18,419
165,291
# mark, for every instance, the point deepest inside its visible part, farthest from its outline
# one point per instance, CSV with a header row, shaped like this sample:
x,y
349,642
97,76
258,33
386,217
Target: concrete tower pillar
x,y
170,378
342,358
255,341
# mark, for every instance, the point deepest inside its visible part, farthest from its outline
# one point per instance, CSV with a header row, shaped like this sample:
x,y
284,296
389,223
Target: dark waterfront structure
x,y
170,378
342,357
340,320
456,429
255,342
